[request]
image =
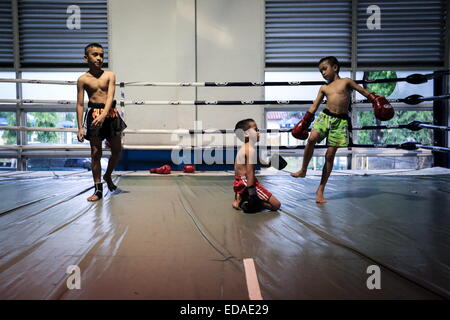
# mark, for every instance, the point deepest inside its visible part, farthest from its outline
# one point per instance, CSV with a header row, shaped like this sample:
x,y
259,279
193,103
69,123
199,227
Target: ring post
x,y
440,118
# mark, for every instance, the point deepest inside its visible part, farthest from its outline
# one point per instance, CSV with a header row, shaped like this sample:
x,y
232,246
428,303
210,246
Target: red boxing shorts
x,y
240,183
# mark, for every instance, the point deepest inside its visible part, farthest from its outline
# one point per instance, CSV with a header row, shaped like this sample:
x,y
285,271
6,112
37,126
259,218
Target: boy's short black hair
x,y
332,60
241,127
92,45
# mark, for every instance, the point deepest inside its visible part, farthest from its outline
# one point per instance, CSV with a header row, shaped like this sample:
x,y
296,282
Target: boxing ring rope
x,y
412,100
415,78
413,126
408,146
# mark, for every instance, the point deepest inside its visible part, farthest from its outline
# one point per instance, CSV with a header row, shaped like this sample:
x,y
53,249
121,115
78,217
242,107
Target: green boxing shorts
x,y
334,127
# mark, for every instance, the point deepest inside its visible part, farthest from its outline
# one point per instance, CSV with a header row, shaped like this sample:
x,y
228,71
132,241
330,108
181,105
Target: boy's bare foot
x,y
109,182
93,198
299,174
235,204
319,197
98,193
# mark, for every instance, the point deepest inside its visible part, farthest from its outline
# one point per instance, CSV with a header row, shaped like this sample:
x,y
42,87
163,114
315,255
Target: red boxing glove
x,y
300,131
381,107
189,168
165,169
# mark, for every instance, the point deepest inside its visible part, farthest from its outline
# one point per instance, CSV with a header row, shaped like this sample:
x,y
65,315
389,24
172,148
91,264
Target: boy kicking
x,y
333,121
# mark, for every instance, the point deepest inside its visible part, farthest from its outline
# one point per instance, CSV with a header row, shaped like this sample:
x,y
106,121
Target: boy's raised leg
x,y
307,155
327,168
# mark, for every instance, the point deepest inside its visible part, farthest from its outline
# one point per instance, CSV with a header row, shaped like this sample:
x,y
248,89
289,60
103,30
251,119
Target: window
x,y
413,162
54,33
64,116
316,163
410,33
59,164
297,32
63,164
396,90
6,35
50,91
393,136
7,90
389,33
8,117
282,120
7,136
52,120
7,164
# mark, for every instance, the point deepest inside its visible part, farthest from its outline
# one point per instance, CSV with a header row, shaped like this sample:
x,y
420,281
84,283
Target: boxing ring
x,y
176,236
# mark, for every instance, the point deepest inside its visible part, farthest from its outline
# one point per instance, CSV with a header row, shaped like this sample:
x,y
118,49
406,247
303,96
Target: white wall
x,y
154,40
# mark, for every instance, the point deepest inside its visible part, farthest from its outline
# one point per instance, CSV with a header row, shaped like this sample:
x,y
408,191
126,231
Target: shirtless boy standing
x,y
102,120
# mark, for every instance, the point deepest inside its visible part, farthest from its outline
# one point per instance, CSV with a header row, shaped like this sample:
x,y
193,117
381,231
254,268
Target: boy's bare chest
x,y
96,84
339,88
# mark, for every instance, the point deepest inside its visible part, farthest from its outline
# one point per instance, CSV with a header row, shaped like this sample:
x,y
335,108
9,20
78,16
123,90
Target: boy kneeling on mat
x,y
250,196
